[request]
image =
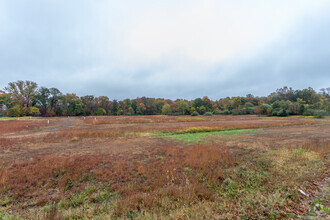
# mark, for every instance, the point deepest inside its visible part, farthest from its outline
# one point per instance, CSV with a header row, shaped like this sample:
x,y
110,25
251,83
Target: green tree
x,y
202,110
5,99
197,103
183,107
115,107
101,111
166,109
131,111
14,111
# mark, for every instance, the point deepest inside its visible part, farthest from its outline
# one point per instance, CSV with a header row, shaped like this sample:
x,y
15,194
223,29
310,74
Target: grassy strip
x,y
191,137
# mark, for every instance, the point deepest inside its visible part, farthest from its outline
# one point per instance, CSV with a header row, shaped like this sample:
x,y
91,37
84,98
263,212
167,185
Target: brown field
x,y
164,167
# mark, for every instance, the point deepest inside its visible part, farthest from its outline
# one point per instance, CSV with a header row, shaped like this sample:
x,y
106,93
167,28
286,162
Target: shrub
x,y
282,113
217,112
14,111
74,139
237,112
100,111
225,112
202,110
269,111
308,112
34,111
320,113
250,110
194,113
208,114
275,111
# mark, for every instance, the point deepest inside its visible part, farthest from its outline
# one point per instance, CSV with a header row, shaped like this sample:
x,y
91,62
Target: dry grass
x,y
162,178
141,182
10,126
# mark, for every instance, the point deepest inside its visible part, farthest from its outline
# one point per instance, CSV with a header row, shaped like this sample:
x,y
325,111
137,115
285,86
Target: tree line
x,y
26,98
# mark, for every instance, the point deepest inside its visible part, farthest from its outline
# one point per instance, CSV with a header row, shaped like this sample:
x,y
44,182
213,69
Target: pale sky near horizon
x,y
167,49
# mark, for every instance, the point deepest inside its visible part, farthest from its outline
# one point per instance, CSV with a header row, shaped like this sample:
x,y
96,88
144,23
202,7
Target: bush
x,y
194,113
282,113
202,110
100,111
308,112
251,110
34,111
237,112
320,113
217,112
14,111
208,114
225,112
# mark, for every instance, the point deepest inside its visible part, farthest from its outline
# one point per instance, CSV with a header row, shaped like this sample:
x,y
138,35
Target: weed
x,y
69,185
74,139
298,152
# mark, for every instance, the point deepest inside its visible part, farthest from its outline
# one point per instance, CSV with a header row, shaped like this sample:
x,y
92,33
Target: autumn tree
x,y
22,92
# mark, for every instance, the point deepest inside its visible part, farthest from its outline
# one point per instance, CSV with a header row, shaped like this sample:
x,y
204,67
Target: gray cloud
x,y
77,48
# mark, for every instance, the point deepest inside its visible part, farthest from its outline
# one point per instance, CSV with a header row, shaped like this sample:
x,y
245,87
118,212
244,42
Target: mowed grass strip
x,y
195,134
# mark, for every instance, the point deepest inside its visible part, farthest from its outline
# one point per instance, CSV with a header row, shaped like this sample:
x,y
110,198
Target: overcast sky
x,y
168,49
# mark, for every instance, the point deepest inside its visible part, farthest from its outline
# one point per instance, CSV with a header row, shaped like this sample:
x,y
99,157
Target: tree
x,y
151,107
5,99
114,108
166,109
42,97
197,103
104,103
34,111
236,102
141,109
131,111
14,111
89,104
22,92
325,92
207,103
100,111
183,107
202,110
73,105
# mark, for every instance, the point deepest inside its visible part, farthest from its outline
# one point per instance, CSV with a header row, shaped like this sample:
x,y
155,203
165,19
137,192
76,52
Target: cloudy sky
x,y
169,49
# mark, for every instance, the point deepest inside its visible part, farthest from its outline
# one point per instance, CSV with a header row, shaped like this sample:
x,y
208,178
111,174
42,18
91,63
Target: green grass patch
x,y
20,118
192,137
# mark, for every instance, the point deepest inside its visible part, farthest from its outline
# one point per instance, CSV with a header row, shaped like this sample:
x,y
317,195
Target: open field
x,y
164,167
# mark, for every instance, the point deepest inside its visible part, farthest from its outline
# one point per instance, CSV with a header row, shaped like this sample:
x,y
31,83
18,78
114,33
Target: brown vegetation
x,y
57,171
